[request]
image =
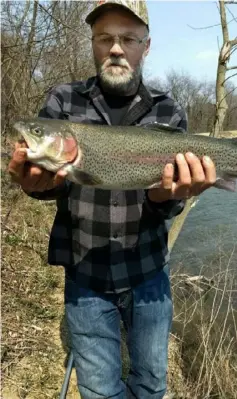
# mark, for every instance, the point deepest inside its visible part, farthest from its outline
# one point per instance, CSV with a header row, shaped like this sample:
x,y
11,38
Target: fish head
x,y
50,144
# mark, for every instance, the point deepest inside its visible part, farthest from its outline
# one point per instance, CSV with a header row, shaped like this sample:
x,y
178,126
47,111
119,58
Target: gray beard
x,y
119,86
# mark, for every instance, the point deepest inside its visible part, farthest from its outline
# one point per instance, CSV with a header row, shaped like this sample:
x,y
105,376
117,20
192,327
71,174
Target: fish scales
x,y
140,156
121,157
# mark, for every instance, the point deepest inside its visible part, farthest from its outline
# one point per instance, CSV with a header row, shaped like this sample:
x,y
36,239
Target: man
x,y
113,244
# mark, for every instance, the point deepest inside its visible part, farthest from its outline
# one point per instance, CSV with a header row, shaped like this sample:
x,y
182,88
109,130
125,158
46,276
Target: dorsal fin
x,y
163,127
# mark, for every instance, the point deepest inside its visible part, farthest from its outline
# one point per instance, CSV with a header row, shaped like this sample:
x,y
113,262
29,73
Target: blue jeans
x,y
94,328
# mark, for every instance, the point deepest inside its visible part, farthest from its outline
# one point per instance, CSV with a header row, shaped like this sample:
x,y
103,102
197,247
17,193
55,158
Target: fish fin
x,y
154,185
86,179
226,183
164,127
80,177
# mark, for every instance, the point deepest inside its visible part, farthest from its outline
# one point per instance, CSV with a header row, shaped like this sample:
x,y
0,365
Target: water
x,y
207,243
210,228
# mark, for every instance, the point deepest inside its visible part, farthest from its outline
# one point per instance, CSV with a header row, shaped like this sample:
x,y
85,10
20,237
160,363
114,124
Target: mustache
x,y
116,61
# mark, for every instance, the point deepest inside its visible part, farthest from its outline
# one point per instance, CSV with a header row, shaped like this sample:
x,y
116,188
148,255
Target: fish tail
x,y
226,183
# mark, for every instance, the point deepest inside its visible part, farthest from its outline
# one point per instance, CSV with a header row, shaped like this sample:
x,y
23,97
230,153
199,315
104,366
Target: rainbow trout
x,y
121,157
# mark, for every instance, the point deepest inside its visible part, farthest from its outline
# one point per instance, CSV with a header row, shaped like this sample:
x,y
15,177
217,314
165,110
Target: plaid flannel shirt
x,y
109,241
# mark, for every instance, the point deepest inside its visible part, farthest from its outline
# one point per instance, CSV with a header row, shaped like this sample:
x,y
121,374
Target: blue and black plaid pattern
x,y
113,240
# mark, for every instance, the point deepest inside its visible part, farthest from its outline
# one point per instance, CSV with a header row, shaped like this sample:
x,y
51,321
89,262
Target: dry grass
x,y
205,322
34,339
203,361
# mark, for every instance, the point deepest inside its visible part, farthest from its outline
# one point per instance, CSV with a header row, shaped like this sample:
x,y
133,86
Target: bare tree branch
x,y
233,42
232,109
210,26
60,22
230,68
231,13
33,59
233,49
229,77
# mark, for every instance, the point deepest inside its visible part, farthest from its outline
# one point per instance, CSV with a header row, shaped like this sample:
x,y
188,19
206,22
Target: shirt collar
x,y
91,88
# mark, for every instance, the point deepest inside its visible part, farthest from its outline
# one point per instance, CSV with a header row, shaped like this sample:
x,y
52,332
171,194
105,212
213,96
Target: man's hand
x,y
29,176
194,176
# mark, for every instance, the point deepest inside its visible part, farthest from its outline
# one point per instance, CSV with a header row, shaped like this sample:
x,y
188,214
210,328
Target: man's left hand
x,y
194,177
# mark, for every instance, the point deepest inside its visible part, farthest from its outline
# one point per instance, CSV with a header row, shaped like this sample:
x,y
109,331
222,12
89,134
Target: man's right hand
x,y
29,176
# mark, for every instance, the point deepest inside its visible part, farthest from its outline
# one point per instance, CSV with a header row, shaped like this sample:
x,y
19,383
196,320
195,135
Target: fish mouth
x,y
21,128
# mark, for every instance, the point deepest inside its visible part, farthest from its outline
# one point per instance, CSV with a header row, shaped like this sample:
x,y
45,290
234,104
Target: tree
x,y
227,49
195,96
43,44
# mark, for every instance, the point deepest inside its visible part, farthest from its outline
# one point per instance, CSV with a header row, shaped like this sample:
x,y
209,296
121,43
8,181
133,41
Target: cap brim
x,y
90,19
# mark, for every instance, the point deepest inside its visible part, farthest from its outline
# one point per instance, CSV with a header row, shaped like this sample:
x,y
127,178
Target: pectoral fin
x,y
154,185
78,176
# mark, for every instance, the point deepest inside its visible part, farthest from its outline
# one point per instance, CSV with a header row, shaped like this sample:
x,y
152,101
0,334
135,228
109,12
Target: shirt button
x,y
115,203
115,235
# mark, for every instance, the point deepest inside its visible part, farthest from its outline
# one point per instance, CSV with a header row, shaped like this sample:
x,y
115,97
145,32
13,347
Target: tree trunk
x,y
224,56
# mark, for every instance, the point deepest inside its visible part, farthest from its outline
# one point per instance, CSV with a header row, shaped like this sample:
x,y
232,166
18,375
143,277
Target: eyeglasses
x,y
106,41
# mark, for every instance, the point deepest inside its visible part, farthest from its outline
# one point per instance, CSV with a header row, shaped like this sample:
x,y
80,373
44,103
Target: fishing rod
x,y
63,393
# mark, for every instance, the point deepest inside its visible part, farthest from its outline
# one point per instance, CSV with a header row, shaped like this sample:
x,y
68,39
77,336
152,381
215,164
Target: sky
x,y
174,44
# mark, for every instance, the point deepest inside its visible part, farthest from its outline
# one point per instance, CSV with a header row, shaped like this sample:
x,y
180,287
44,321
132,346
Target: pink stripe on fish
x,y
148,160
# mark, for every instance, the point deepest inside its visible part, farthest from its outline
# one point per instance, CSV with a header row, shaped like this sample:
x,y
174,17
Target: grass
x,y
203,343
34,338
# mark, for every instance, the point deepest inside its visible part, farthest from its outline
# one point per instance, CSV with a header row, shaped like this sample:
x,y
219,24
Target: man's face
x,y
119,64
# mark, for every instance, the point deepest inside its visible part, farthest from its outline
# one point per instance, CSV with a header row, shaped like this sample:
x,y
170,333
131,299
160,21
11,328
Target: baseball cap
x,y
136,7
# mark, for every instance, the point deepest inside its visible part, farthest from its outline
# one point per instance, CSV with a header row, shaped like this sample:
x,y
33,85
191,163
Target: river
x,y
207,243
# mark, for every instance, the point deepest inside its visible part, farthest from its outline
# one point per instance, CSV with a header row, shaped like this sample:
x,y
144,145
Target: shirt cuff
x,y
167,209
58,192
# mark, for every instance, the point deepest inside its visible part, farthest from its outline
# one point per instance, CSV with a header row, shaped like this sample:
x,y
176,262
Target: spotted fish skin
x,y
119,157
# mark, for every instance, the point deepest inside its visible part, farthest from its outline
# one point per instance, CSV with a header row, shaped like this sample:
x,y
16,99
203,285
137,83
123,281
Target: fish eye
x,y
37,130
